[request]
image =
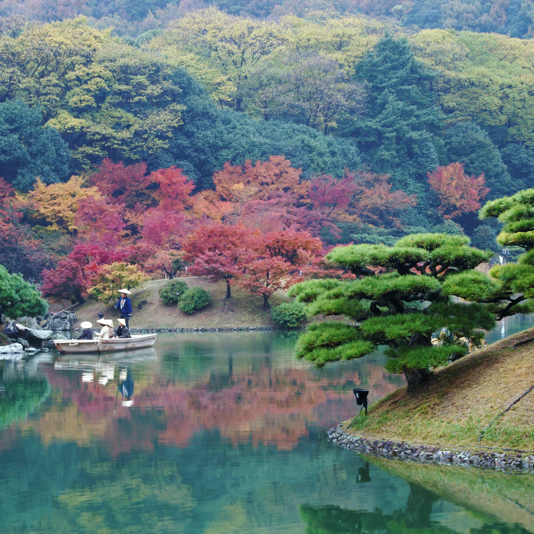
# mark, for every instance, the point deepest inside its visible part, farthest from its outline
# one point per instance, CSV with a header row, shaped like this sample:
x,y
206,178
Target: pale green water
x,y
225,434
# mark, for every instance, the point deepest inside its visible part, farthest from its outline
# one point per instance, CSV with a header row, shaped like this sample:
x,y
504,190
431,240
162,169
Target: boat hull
x,y
82,346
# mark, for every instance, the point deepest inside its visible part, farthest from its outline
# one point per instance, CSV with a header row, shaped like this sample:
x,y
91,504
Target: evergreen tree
x,y
520,164
28,149
401,308
210,136
468,144
19,298
509,288
398,133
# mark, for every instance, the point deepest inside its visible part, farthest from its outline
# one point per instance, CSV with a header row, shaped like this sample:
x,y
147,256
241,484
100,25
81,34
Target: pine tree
x,y
398,133
402,307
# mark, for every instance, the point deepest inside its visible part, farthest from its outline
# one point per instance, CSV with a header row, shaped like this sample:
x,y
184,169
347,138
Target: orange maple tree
x,y
240,183
458,192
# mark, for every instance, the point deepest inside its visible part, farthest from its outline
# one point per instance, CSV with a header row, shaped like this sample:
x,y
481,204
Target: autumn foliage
x,y
458,192
259,228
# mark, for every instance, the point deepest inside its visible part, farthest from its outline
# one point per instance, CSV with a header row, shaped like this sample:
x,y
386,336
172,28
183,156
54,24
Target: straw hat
x,y
125,291
109,322
86,324
102,321
122,322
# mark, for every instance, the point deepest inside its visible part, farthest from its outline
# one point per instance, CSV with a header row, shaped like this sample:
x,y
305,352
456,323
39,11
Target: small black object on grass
x,y
361,397
361,400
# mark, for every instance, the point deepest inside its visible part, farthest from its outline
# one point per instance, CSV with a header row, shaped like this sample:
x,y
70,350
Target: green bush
x,y
171,292
194,299
289,315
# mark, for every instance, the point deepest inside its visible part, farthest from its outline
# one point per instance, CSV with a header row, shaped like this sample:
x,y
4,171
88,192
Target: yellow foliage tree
x,y
113,277
57,204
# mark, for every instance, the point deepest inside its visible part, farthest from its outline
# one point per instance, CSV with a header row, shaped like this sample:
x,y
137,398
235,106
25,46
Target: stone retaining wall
x,y
508,460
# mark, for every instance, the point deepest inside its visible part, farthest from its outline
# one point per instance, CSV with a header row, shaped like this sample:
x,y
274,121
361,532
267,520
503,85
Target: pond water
x,y
220,433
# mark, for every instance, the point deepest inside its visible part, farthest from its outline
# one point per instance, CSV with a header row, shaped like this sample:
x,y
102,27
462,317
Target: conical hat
x,y
125,291
86,324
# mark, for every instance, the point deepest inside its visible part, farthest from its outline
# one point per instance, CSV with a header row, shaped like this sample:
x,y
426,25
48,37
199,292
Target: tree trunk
x,y
416,378
266,305
228,290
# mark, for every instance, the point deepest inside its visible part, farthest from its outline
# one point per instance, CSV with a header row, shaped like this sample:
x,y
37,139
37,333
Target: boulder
x,y
29,322
15,351
62,321
38,335
23,342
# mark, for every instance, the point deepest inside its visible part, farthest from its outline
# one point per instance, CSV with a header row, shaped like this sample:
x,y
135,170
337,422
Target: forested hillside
x,y
128,131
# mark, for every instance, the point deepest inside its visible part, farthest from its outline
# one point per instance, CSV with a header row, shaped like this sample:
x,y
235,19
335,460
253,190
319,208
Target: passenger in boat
x,y
87,330
106,332
124,306
122,330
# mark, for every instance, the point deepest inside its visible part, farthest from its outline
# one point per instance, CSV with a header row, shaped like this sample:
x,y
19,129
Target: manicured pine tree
x,y
401,297
509,289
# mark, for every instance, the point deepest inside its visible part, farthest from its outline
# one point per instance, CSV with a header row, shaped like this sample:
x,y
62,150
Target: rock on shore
x,y
509,460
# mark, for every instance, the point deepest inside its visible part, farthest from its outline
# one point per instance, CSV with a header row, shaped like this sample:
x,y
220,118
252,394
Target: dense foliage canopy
x,y
402,298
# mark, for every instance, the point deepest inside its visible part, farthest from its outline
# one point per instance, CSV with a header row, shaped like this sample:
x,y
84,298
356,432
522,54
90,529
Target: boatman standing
x,y
124,306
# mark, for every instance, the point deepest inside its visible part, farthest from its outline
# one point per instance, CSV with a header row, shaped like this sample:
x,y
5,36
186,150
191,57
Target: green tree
x,y
398,133
469,144
400,308
509,290
28,149
520,164
19,298
210,136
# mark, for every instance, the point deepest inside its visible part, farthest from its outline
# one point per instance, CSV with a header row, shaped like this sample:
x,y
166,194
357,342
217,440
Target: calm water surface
x,y
220,433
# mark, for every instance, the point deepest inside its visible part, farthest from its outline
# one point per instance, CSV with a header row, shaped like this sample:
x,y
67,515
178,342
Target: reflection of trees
x,y
20,397
143,494
491,494
30,478
414,518
259,404
411,520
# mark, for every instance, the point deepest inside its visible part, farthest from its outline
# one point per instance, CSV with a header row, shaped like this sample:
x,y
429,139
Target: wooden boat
x,y
80,346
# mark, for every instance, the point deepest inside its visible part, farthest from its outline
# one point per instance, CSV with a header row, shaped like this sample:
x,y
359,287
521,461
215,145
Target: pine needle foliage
x,y
402,296
512,288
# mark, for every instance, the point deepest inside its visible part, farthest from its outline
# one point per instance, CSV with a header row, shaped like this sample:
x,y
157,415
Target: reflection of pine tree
x,y
414,518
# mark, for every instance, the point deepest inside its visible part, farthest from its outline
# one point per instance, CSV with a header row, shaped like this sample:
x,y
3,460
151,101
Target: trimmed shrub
x,y
289,315
193,300
171,292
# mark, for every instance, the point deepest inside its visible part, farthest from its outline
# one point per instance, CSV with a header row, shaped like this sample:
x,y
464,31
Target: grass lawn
x,y
242,310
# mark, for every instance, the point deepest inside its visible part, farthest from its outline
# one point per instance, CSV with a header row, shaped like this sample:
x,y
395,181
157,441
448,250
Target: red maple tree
x,y
75,274
219,251
174,188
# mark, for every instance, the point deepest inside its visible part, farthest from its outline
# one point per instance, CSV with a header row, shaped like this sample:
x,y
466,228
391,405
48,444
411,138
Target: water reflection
x,y
213,433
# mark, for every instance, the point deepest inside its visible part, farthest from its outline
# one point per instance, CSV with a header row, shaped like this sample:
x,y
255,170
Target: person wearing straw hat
x,y
124,306
87,332
122,330
106,332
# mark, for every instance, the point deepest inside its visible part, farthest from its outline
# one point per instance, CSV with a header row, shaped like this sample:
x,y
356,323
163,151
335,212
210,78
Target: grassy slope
x,y
463,399
242,310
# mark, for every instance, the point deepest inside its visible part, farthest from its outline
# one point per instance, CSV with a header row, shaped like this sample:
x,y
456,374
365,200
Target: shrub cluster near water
x,y
289,315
